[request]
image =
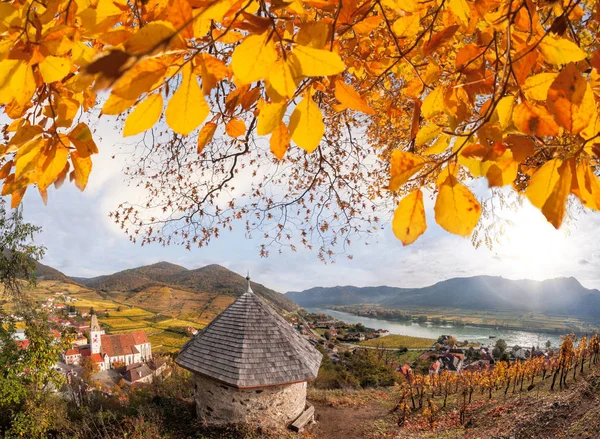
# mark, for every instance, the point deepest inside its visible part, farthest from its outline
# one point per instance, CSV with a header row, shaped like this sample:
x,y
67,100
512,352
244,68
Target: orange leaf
x,y
438,39
350,98
235,127
534,120
280,141
205,135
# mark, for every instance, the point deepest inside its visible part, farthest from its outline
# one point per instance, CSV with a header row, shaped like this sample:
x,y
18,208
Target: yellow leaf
x,y
253,59
54,68
588,185
306,124
156,35
439,146
433,103
456,208
427,133
559,51
269,117
313,34
141,78
409,218
504,110
460,8
407,26
27,157
187,109
280,141
501,171
571,100
282,78
51,165
235,127
350,98
556,204
542,183
82,166
536,86
317,62
144,115
534,120
16,82
82,138
115,105
403,165
205,135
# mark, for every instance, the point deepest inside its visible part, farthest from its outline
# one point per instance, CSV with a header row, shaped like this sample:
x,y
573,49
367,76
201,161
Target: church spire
x,y
94,325
249,290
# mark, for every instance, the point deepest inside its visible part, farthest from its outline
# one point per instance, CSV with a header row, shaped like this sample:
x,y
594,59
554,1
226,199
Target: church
x,y
110,351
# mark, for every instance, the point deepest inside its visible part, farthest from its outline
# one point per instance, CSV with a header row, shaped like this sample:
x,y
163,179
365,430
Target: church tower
x,y
95,335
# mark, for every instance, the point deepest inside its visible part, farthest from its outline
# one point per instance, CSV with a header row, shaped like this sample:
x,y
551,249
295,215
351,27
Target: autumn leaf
x,y
403,165
51,165
456,208
407,26
253,59
588,186
559,51
571,100
433,103
152,36
306,124
187,108
536,86
350,98
409,218
235,127
522,147
144,115
54,68
282,78
82,166
317,62
82,138
280,141
534,120
205,135
269,117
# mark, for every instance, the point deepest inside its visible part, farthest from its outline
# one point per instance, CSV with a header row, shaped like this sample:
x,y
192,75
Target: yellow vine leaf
x,y
409,218
313,34
141,78
52,165
54,68
235,127
282,78
144,115
427,133
534,120
205,135
588,186
280,141
27,157
253,59
115,105
439,146
559,51
350,98
82,138
556,205
270,116
403,165
571,100
187,108
306,124
504,110
16,81
460,8
536,86
82,166
456,208
317,62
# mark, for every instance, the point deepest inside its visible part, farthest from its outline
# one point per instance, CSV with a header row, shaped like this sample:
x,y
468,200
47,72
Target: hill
x,y
561,296
45,272
211,279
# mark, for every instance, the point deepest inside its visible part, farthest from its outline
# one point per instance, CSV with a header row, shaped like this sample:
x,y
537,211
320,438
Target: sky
x,y
81,240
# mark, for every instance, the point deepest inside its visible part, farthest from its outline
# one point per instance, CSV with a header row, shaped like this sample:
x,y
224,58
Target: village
x,y
112,358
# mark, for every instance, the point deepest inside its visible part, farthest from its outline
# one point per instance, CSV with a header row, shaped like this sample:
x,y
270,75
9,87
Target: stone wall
x,y
218,404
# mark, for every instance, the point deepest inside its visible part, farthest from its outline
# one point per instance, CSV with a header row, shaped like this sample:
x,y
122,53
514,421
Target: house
x,y
80,341
137,373
19,335
72,356
477,366
249,365
59,306
435,367
333,331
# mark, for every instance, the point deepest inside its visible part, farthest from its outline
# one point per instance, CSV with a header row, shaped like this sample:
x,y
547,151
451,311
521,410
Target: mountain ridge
x,y
557,296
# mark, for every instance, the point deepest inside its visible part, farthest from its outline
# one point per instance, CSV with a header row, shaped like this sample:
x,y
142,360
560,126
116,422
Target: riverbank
x,y
471,333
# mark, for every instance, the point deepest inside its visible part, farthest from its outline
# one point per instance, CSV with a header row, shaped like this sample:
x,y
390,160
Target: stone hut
x,y
250,365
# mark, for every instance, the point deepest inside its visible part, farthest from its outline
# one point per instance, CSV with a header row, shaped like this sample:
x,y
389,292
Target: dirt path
x,y
345,422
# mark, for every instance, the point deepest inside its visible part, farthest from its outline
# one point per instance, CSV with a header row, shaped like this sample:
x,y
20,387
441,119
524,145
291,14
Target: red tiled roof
x,y
72,352
139,337
97,358
55,333
85,352
117,345
23,344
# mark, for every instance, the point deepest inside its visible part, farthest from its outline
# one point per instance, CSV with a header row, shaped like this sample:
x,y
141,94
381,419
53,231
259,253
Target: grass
x,y
132,312
167,341
176,323
399,341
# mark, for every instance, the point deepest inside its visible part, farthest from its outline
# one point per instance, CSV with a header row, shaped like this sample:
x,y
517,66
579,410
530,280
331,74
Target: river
x,y
470,333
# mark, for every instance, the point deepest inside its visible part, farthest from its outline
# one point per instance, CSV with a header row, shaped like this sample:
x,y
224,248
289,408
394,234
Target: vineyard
x,y
427,395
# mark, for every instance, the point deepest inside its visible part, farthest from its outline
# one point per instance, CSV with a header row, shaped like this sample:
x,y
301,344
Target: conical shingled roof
x,y
249,345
